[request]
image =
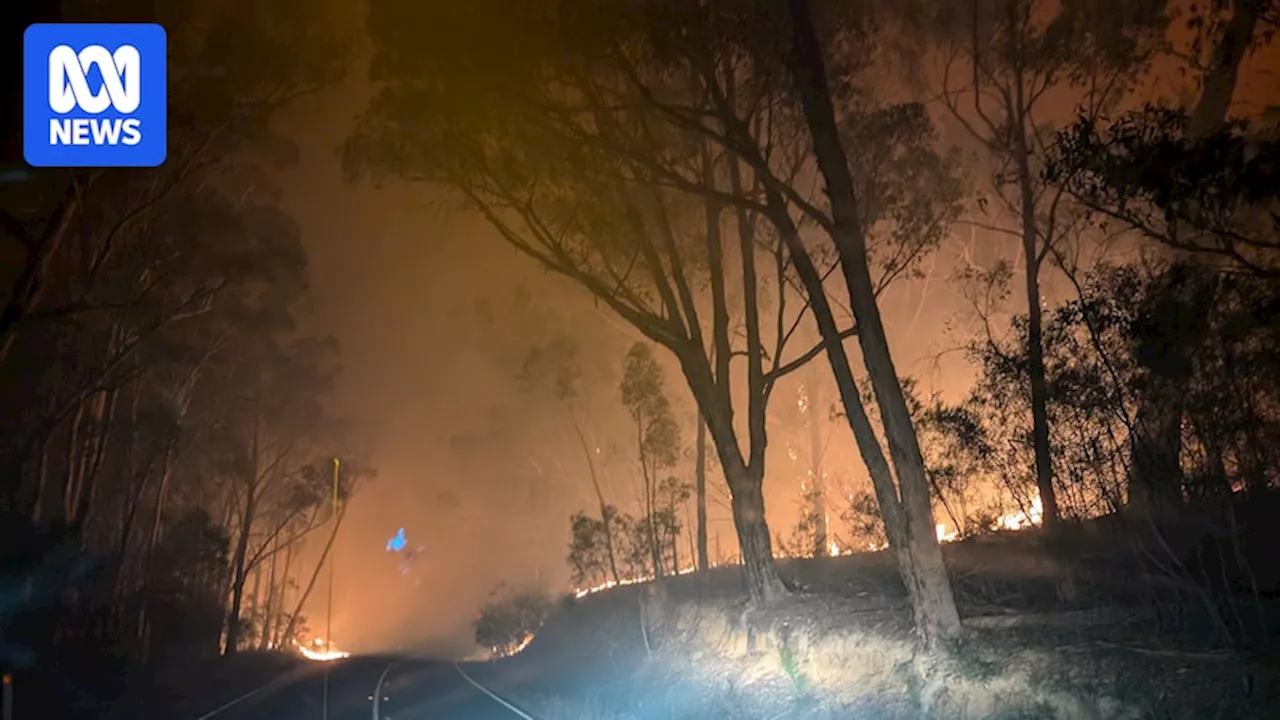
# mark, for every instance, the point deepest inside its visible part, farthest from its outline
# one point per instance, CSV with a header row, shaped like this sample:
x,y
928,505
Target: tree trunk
x,y
746,480
42,480
924,572
277,632
255,594
693,542
269,607
674,542
1155,446
75,463
239,577
1035,364
650,509
1223,74
595,484
292,627
30,284
914,542
1170,324
816,485
1155,450
700,488
747,493
104,421
239,571
129,506
1031,250
157,515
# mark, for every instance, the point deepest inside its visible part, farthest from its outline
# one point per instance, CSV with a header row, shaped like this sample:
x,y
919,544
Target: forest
x,y
666,159
166,443
743,185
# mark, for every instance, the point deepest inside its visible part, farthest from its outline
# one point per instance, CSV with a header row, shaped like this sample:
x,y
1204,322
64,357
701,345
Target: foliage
x,y
1212,196
588,554
509,619
658,444
655,156
189,584
864,522
643,393
807,538
1094,348
158,399
637,542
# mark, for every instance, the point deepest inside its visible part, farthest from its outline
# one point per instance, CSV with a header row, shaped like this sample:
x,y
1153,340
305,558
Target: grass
x,y
1048,638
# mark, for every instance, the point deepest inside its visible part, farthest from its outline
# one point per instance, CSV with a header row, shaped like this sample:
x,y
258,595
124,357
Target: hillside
x,y
1092,637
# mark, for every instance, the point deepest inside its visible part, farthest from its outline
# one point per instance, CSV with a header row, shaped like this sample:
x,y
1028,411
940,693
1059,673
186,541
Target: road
x,y
412,689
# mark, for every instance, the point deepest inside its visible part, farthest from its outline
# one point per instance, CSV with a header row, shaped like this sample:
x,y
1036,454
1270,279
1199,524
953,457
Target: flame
x,y
519,647
323,655
1010,521
1020,520
944,535
318,655
635,580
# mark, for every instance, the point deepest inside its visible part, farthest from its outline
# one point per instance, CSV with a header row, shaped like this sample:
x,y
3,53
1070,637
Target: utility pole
x,y
328,630
328,623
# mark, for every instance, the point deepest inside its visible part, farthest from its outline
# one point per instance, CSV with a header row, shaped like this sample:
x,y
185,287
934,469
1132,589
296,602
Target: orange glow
x,y
318,654
518,648
1020,520
1008,521
583,592
944,535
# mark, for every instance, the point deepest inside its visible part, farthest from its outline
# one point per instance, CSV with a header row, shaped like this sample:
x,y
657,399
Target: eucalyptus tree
x,y
1003,67
593,138
1196,181
554,368
133,289
657,435
521,111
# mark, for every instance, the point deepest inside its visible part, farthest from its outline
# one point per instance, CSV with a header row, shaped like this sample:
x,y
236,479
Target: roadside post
x,y
7,682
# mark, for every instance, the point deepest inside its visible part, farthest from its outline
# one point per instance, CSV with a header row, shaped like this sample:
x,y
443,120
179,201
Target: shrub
x,y
508,620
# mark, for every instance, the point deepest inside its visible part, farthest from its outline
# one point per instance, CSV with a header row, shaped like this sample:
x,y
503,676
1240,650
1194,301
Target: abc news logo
x,y
94,95
69,89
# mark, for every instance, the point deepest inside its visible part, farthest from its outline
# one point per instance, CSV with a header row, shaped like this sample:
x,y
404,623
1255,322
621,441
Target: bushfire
x,y
1009,521
319,653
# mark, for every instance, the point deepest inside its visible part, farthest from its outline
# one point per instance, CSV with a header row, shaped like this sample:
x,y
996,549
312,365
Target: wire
x,y
493,696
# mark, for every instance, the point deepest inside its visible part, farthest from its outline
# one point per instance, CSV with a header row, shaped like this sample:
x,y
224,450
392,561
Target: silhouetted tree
x,y
1007,61
554,367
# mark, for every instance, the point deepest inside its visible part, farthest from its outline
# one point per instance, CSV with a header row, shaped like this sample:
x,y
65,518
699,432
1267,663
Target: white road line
x,y
490,693
377,690
237,701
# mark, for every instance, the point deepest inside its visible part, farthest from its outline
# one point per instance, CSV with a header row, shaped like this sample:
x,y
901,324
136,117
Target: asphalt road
x,y
412,689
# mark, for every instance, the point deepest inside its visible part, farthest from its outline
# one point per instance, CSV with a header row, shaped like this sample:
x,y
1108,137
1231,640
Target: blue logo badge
x,y
94,95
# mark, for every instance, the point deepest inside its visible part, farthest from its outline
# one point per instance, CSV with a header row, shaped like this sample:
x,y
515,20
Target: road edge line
x,y
377,690
236,701
491,694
